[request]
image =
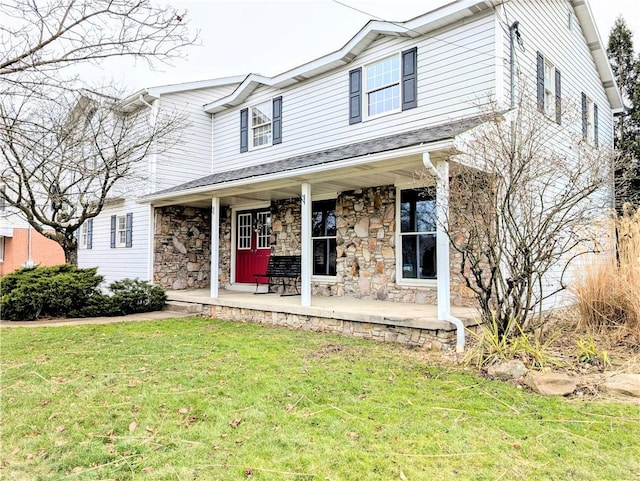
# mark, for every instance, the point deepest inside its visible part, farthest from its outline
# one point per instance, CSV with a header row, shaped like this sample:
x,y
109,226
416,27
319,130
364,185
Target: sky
x,y
269,37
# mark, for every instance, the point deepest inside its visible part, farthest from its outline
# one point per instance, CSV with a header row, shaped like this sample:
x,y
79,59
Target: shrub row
x,y
66,290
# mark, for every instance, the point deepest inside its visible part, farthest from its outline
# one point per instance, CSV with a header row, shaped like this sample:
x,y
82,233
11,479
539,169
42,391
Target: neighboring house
x,y
320,161
21,245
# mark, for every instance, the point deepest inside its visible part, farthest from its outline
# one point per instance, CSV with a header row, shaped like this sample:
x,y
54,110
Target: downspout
x,y
441,174
513,34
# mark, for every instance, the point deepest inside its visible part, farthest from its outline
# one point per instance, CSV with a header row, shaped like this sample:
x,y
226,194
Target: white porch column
x,y
305,207
442,240
215,245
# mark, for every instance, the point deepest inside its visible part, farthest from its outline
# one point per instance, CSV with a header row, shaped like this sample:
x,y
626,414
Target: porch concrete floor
x,y
342,308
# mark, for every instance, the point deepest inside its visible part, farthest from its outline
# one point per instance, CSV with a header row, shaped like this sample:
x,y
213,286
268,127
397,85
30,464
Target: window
x,y
589,120
261,125
2,247
3,201
86,235
549,89
122,230
261,116
382,86
323,235
418,233
389,85
244,231
263,229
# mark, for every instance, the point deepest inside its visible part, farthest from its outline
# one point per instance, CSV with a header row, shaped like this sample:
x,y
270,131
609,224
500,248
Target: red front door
x,y
253,245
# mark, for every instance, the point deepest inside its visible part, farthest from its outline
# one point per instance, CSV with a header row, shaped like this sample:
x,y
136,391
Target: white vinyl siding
x,y
192,157
119,263
451,79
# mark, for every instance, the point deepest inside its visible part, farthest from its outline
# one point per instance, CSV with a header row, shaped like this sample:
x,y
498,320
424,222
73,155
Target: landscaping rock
x,y
506,371
550,383
627,385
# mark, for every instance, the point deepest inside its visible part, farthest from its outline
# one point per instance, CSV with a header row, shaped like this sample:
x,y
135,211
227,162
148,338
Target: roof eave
x,y
599,53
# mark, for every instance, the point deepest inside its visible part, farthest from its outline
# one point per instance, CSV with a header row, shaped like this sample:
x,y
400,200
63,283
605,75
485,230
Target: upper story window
x,y
261,125
382,86
417,220
389,85
589,120
549,88
3,201
261,118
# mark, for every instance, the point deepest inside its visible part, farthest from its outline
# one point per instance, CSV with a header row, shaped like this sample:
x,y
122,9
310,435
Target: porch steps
x,y
185,307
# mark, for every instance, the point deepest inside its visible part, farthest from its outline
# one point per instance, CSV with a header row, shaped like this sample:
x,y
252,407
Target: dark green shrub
x,y
47,291
134,295
59,291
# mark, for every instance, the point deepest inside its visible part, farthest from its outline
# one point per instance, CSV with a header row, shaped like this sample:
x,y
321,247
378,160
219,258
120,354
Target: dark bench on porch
x,y
279,270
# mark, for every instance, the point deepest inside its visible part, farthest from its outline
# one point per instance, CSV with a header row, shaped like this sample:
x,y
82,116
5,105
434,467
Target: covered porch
x,y
411,324
366,219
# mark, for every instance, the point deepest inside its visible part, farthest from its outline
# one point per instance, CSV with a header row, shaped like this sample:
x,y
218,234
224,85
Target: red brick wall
x,y
44,252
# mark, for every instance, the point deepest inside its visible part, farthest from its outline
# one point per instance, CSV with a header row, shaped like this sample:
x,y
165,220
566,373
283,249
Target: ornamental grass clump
x,y
609,293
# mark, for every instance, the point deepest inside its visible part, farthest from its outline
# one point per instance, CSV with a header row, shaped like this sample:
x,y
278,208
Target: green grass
x,y
157,400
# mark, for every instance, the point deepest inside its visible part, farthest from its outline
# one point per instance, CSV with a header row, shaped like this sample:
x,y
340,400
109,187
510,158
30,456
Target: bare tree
x,y
525,204
65,163
41,38
63,155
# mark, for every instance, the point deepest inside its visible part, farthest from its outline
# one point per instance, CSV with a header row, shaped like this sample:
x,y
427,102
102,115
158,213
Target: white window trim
x,y
324,277
549,88
251,126
119,242
400,281
2,248
366,91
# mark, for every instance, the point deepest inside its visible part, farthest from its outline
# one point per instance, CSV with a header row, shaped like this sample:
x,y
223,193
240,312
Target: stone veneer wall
x,y
286,227
224,252
182,247
424,338
366,262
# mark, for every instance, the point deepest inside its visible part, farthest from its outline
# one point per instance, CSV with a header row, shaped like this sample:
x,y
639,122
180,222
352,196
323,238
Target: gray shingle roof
x,y
373,146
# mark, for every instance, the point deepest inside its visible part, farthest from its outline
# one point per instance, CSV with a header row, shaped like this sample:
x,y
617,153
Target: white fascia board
x,y
351,162
154,93
197,85
594,42
248,85
364,38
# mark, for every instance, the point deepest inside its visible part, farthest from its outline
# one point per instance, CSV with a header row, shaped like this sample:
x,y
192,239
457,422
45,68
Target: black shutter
x,y
585,115
558,98
410,78
129,230
595,125
277,120
244,130
89,233
540,82
355,96
113,231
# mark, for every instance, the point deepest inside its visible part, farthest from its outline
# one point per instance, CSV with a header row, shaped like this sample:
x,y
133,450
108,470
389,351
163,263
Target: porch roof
x,y
327,159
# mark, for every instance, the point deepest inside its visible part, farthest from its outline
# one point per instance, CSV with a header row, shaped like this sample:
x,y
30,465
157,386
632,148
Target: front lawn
x,y
197,399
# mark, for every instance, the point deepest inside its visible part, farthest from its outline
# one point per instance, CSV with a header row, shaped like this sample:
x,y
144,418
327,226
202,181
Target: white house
x,y
320,161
